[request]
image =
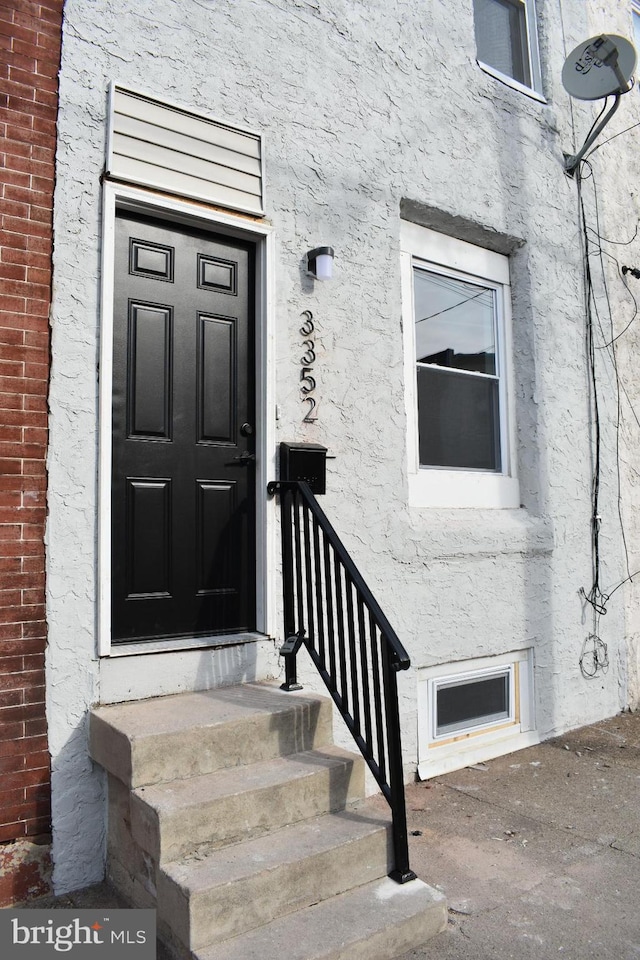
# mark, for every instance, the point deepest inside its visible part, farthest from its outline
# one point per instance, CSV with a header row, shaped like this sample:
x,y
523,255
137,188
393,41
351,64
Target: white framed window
x,y
458,376
474,710
507,42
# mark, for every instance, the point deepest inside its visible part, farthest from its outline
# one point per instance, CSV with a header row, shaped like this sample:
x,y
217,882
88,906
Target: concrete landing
x,y
537,853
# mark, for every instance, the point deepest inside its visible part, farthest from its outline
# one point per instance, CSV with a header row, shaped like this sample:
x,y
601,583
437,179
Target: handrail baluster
x,y
353,656
331,634
342,654
364,666
317,570
306,536
326,602
377,693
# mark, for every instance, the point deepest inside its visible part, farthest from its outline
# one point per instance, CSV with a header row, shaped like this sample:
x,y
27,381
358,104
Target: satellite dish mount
x,y
597,68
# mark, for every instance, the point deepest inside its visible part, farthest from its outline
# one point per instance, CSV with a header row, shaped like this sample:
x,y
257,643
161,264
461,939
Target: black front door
x,y
183,483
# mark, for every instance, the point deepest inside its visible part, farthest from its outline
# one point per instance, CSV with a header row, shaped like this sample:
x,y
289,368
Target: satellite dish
x,y
599,67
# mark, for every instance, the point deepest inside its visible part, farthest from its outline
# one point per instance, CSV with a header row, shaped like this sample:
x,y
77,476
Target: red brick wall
x,y
30,37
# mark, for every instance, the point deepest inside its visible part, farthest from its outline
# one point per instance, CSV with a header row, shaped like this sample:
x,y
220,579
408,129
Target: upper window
x,y
459,405
507,41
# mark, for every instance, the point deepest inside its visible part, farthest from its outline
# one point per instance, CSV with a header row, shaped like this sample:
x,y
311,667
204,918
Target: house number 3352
x,y
307,360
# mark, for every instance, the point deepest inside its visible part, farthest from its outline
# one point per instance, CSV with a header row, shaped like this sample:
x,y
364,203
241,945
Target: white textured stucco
x,y
367,109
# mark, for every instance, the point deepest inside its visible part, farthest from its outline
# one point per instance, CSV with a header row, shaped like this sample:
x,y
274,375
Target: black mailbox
x,y
304,461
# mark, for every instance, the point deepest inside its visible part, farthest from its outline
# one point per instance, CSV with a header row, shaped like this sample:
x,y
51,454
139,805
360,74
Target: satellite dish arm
x,y
571,162
608,53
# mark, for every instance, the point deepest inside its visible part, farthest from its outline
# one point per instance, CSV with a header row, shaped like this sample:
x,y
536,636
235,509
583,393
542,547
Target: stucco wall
x,y
365,107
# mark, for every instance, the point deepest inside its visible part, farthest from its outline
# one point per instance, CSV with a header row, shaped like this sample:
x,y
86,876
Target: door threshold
x,y
184,643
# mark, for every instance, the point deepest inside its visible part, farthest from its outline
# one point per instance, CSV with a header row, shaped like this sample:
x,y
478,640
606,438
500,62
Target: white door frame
x,y
120,197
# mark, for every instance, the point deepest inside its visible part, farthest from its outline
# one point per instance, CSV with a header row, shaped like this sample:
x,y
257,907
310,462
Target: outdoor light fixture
x,y
320,263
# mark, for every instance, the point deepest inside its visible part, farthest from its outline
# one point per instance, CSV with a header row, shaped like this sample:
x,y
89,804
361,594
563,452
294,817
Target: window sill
x,y
462,488
510,82
440,760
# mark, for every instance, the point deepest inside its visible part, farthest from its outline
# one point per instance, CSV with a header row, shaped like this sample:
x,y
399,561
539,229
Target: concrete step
x,y
232,813
191,734
249,884
173,820
376,921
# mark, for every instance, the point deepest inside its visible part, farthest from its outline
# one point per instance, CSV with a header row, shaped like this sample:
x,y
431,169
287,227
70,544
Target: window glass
x,y
507,42
471,703
458,421
455,323
457,382
501,37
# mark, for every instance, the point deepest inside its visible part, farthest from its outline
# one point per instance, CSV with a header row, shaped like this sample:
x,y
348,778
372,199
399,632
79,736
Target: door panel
x,y
149,371
183,498
148,538
217,388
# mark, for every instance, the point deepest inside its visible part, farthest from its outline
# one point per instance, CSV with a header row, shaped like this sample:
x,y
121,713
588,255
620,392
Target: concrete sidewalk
x,y
538,853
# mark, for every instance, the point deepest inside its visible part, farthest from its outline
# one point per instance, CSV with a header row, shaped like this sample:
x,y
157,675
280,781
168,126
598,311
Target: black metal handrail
x,y
329,608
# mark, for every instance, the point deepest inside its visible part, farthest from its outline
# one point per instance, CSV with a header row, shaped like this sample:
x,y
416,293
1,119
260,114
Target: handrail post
x,y
287,495
402,872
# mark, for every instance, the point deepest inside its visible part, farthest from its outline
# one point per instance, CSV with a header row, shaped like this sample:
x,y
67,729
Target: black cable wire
x,y
594,656
622,583
593,596
614,340
597,120
636,308
453,306
622,275
614,362
618,243
619,134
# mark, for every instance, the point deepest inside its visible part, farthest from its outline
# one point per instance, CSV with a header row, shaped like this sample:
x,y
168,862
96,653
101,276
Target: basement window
x,y
466,704
474,710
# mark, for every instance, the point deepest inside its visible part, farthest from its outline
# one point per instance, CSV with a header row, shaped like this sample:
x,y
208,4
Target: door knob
x,y
246,429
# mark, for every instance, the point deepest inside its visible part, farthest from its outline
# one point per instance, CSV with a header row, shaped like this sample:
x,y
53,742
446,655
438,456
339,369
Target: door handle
x,y
244,459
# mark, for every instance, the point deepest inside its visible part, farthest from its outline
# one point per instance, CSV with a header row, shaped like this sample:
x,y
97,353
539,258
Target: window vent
x,y
473,702
167,148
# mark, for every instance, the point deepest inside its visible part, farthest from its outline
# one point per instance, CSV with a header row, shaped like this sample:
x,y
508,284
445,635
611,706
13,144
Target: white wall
x,y
365,107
